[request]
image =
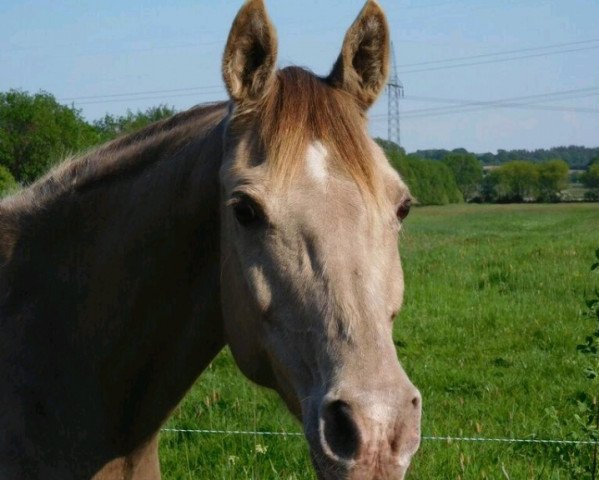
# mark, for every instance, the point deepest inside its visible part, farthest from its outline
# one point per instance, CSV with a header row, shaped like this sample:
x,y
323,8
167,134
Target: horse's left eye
x,y
404,208
247,212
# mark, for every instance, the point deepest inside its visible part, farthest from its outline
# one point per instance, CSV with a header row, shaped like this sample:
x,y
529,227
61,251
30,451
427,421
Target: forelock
x,y
301,109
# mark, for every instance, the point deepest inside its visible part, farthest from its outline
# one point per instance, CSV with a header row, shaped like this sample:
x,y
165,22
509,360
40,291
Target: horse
x,y
268,223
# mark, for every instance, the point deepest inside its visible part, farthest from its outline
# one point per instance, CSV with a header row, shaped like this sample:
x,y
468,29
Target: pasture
x,y
488,332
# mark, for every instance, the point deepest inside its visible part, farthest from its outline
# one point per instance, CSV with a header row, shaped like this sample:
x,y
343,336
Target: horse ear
x,y
363,65
250,56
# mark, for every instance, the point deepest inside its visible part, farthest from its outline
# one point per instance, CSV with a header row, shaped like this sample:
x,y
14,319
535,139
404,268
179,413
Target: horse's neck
x,y
116,290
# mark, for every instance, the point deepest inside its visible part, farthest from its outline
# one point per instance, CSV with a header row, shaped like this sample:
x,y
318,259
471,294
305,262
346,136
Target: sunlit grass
x,y
488,332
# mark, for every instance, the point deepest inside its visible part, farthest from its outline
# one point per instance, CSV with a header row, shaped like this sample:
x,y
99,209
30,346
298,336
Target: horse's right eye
x,y
247,212
404,208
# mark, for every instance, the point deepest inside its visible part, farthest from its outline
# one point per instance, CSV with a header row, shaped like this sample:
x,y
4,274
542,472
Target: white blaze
x,y
317,162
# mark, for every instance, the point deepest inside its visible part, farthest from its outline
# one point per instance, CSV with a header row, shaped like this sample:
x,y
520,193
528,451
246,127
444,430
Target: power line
x,y
552,96
503,52
88,52
519,106
219,88
477,106
147,92
154,97
499,60
484,105
513,102
460,105
524,106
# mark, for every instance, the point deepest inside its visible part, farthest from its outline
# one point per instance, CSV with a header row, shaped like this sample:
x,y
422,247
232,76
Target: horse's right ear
x,y
363,65
250,56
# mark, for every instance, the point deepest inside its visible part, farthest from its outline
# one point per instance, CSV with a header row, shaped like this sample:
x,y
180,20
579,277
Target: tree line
x,y
459,175
37,131
577,157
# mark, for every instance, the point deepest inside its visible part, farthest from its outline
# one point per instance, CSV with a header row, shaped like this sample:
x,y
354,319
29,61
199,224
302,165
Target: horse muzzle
x,y
366,436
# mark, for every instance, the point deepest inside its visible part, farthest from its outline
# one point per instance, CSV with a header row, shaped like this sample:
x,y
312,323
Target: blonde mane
x,y
301,108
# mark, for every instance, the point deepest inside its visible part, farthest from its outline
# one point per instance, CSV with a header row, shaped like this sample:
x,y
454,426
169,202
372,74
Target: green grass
x,y
488,332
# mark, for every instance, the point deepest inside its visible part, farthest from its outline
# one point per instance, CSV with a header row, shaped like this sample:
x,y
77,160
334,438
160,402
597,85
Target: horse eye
x,y
246,212
404,208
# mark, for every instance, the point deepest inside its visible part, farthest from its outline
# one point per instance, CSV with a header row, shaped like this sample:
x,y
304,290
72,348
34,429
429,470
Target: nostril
x,y
416,401
340,430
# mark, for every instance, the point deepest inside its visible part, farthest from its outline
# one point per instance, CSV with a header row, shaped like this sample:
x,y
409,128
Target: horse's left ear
x,y
363,65
250,56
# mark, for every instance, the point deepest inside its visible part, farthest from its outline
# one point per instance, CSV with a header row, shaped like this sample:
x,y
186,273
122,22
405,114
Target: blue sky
x,y
112,55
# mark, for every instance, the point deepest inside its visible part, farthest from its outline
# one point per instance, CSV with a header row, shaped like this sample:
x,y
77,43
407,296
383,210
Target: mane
x,y
302,108
126,154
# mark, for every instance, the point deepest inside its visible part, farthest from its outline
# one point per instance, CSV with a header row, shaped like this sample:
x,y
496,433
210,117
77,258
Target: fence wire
x,y
448,439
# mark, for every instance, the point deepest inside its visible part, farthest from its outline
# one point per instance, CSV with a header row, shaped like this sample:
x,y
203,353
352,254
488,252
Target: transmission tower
x,y
394,93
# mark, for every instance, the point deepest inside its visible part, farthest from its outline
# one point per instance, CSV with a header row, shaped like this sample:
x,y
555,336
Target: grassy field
x,y
492,317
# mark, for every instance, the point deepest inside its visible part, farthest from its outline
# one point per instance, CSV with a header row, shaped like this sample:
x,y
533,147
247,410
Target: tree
x,y
553,178
36,132
488,187
389,146
521,179
467,170
432,154
590,179
111,127
7,181
515,181
576,157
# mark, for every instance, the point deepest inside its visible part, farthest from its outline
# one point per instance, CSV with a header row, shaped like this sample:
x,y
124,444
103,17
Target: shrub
x,y
430,182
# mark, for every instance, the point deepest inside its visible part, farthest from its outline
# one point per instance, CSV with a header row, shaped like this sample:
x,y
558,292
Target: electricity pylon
x,y
394,93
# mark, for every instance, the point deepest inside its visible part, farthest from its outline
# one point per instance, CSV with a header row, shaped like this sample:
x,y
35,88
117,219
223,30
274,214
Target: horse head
x,y
311,273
